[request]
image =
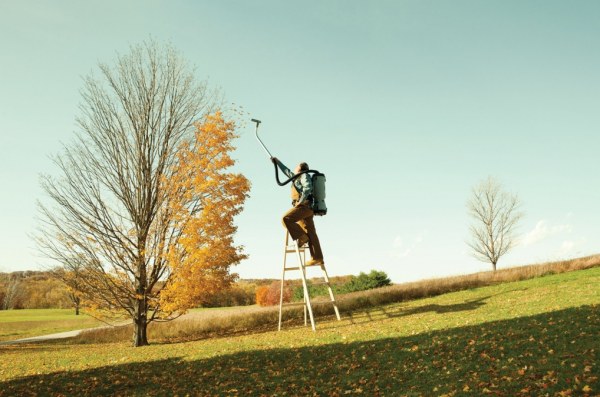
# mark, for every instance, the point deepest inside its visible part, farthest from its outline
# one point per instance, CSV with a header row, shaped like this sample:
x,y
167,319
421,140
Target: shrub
x,y
261,295
375,279
362,282
270,295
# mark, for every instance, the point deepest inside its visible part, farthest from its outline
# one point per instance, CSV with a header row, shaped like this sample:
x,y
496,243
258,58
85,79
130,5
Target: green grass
x,y
533,337
17,324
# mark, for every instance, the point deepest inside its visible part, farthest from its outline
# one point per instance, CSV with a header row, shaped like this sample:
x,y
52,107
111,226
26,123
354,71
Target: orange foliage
x,y
270,295
261,295
203,200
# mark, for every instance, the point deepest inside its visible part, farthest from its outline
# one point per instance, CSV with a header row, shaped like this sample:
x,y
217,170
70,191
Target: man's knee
x,y
286,220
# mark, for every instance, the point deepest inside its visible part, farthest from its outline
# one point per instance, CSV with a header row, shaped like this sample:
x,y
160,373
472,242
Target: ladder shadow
x,y
380,313
469,305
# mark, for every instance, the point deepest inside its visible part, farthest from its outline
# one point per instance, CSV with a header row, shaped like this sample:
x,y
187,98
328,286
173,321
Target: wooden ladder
x,y
291,247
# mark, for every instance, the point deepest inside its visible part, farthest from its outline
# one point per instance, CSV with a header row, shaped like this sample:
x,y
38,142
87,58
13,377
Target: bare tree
x,y
109,221
12,290
74,282
496,214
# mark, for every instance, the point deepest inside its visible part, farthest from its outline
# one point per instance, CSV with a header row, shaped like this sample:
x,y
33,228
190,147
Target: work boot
x,y
302,240
314,262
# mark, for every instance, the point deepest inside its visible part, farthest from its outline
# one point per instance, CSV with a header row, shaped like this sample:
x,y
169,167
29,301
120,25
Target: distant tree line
x,y
46,290
32,290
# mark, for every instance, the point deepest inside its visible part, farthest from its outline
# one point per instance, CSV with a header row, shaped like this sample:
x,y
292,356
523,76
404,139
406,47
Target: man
x,y
299,219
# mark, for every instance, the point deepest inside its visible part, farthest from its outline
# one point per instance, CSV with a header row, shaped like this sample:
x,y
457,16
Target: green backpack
x,y
318,196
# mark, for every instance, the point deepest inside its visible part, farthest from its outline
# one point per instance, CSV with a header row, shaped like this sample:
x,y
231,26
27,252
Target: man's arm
x,y
307,188
282,167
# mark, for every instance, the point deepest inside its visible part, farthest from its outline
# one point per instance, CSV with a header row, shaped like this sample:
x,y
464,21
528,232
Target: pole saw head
x,y
261,143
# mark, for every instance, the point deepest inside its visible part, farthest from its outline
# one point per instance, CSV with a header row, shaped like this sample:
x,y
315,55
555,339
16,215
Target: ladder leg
x,y
305,311
303,296
305,287
337,312
282,280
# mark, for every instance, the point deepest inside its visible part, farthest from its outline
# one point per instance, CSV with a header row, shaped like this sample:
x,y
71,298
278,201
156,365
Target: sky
x,y
404,105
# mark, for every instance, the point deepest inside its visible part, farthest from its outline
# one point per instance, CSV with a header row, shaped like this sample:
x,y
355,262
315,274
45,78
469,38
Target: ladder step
x,y
320,283
293,251
322,302
294,304
298,268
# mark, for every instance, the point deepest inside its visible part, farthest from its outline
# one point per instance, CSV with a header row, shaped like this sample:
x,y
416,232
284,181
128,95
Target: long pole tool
x,y
257,137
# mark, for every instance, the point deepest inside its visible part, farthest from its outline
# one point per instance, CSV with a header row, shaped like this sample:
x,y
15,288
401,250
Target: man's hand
x,y
274,160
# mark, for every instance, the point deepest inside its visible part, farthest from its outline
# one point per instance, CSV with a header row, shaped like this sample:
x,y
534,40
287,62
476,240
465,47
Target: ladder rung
x,y
320,283
298,268
321,302
294,304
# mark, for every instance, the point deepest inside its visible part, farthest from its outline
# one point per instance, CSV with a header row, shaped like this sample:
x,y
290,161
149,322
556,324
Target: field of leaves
x,y
533,337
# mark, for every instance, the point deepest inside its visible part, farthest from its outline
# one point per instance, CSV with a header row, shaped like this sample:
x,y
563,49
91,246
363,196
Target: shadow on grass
x,y
543,354
381,313
441,309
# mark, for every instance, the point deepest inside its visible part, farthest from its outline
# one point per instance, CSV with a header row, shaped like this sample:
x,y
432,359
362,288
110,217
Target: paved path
x,y
60,335
197,315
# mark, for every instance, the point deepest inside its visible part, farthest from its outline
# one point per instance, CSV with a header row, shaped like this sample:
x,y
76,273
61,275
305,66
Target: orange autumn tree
x,y
202,201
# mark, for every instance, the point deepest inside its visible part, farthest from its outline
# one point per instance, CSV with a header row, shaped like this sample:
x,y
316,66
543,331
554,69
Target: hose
x,y
292,178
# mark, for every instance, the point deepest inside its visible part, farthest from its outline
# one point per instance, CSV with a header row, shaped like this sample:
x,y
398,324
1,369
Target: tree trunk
x,y
140,323
140,319
494,265
77,310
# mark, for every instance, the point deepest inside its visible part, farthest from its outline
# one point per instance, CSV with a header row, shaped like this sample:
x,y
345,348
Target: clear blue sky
x,y
404,105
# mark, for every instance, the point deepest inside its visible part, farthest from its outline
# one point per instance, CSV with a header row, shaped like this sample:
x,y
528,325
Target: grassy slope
x,y
17,324
524,338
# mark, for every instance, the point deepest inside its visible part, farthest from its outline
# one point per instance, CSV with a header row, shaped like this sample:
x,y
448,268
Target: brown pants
x,y
298,221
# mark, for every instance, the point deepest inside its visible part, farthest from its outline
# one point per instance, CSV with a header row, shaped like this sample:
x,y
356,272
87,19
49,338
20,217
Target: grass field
x,y
533,337
17,324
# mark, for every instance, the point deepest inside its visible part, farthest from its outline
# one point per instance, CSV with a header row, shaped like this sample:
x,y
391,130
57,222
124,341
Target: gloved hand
x,y
274,160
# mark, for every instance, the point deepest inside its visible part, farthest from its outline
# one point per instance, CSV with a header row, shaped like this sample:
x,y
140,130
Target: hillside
x,y
532,337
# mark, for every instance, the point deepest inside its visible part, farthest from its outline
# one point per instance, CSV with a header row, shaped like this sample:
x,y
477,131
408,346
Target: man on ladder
x,y
299,219
308,199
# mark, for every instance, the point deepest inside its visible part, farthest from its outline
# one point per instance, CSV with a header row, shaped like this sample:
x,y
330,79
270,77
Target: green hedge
x,y
362,282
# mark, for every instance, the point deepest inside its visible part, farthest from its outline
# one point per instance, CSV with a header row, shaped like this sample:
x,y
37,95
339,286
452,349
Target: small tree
x,y
495,213
74,283
270,295
12,290
364,281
